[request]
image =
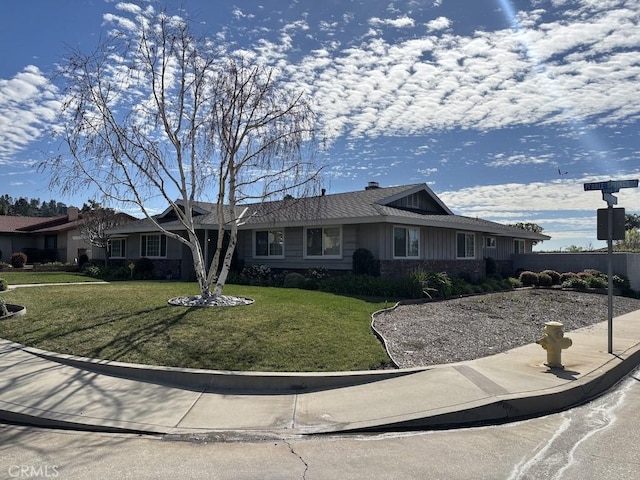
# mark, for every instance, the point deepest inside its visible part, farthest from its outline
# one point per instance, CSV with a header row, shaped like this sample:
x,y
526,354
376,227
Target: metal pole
x,y
610,276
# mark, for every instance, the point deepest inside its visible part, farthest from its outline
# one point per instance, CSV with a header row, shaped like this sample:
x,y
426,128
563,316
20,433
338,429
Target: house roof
x,y
11,224
373,205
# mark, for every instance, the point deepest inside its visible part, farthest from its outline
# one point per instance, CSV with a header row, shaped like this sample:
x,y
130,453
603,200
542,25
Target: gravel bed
x,y
460,329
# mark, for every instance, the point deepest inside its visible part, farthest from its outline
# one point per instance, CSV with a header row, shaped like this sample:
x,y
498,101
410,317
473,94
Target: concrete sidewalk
x,y
47,389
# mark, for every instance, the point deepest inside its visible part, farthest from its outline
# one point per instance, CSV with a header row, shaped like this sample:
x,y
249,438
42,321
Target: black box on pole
x,y
618,224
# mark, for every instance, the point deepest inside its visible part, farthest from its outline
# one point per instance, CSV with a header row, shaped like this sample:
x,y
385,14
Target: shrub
x,y
459,286
596,282
584,275
545,280
595,273
294,280
506,284
257,275
528,278
3,308
363,263
436,284
575,282
144,268
514,282
317,273
555,276
91,270
3,285
365,285
490,266
567,276
622,282
486,287
18,260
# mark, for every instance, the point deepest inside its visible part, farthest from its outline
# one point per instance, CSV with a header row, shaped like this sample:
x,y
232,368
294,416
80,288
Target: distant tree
x,y
631,221
530,227
30,207
21,207
631,242
96,222
574,249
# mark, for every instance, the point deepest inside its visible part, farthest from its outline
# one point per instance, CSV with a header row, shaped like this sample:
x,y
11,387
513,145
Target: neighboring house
x,y
405,227
45,239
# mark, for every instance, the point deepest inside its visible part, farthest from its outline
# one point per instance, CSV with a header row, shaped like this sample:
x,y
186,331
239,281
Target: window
x,y
413,200
406,242
117,248
153,246
466,245
518,246
50,242
490,242
269,243
323,242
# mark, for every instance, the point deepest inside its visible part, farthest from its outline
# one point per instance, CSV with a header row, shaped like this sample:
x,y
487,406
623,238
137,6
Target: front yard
x,y
284,330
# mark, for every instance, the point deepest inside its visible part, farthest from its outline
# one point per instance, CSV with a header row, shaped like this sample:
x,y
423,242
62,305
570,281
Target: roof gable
x,y
420,198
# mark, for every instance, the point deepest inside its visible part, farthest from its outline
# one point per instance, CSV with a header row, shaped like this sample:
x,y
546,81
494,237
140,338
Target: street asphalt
x,y
48,389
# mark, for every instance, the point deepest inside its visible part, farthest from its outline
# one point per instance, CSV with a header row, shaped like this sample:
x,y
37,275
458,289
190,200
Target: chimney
x,y
72,214
324,191
372,186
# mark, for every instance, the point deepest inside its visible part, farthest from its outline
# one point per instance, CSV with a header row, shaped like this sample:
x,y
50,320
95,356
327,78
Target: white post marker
x,y
608,189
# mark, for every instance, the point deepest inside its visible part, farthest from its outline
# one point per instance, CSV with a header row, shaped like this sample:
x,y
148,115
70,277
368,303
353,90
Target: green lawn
x,y
18,277
284,330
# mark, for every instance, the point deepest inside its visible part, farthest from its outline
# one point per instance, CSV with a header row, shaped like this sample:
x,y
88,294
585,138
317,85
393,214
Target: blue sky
x,y
505,108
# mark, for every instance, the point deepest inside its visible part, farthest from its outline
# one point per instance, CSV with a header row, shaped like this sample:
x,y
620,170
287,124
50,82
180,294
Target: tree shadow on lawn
x,y
119,344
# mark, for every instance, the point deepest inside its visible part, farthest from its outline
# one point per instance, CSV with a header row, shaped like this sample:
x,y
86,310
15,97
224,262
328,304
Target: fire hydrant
x,y
554,342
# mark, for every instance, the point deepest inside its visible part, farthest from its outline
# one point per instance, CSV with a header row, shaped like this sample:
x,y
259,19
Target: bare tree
x,y
157,113
96,223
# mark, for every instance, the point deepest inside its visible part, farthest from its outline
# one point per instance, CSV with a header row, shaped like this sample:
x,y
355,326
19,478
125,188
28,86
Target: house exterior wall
x,y
438,251
294,258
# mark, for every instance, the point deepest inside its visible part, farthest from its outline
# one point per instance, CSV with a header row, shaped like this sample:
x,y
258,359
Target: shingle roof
x,y
365,206
12,224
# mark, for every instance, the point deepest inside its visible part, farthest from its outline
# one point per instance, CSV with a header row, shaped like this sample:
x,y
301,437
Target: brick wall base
x,y
468,269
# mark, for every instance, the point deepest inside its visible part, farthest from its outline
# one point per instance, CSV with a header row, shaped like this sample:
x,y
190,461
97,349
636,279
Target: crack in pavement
x,y
306,465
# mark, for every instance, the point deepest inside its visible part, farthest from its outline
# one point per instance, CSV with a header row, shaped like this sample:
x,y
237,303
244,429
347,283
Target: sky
x,y
505,108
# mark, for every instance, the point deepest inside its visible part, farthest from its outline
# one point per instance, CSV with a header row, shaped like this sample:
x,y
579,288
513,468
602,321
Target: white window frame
x,y
467,236
123,247
519,241
490,242
306,255
407,239
269,232
144,238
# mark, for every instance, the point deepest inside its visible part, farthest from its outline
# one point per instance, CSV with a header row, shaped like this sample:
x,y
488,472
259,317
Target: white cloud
x,y
502,160
401,22
440,23
554,73
28,103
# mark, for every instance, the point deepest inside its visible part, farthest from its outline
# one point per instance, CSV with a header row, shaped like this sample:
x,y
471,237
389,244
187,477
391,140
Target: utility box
x,y
618,224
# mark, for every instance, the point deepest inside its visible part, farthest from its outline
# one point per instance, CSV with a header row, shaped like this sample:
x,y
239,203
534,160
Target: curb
x,y
522,406
240,382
